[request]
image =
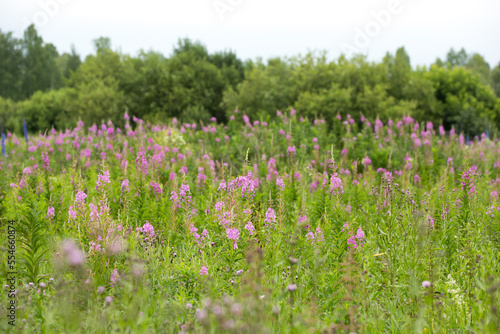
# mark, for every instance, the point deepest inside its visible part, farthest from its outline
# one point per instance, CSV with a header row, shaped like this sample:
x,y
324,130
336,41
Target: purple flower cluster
x,y
50,213
250,228
280,184
80,196
356,240
336,184
247,185
73,254
233,234
270,216
45,161
316,236
199,238
291,151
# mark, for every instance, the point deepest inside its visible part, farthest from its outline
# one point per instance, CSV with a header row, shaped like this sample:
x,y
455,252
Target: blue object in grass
x,y
25,130
4,152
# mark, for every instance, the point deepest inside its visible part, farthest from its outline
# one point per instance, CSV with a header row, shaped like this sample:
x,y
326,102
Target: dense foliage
x,y
52,90
288,225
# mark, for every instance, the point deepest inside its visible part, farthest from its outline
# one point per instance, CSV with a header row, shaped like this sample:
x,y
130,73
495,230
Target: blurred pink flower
x,y
203,271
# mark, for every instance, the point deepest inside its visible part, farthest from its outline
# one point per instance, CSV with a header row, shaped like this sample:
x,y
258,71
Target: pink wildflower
x,y
250,228
430,221
114,276
336,183
291,150
104,178
72,213
50,212
233,234
125,184
94,213
359,237
219,206
46,161
280,184
73,254
80,196
148,229
203,271
270,216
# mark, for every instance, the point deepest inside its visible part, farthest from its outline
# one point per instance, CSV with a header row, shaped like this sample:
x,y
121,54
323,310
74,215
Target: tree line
x,y
49,89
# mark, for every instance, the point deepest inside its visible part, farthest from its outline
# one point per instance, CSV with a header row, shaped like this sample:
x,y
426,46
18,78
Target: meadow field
x,y
288,225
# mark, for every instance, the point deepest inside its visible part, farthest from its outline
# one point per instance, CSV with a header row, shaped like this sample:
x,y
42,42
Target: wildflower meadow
x,y
283,225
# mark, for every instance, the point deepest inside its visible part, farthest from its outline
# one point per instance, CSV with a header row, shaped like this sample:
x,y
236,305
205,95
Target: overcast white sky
x,y
266,28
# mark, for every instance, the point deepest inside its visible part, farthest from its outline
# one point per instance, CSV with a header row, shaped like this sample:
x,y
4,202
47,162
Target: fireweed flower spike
x,y
356,240
102,179
72,213
291,151
125,185
80,196
336,184
203,271
280,184
270,216
250,228
233,234
50,213
46,161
